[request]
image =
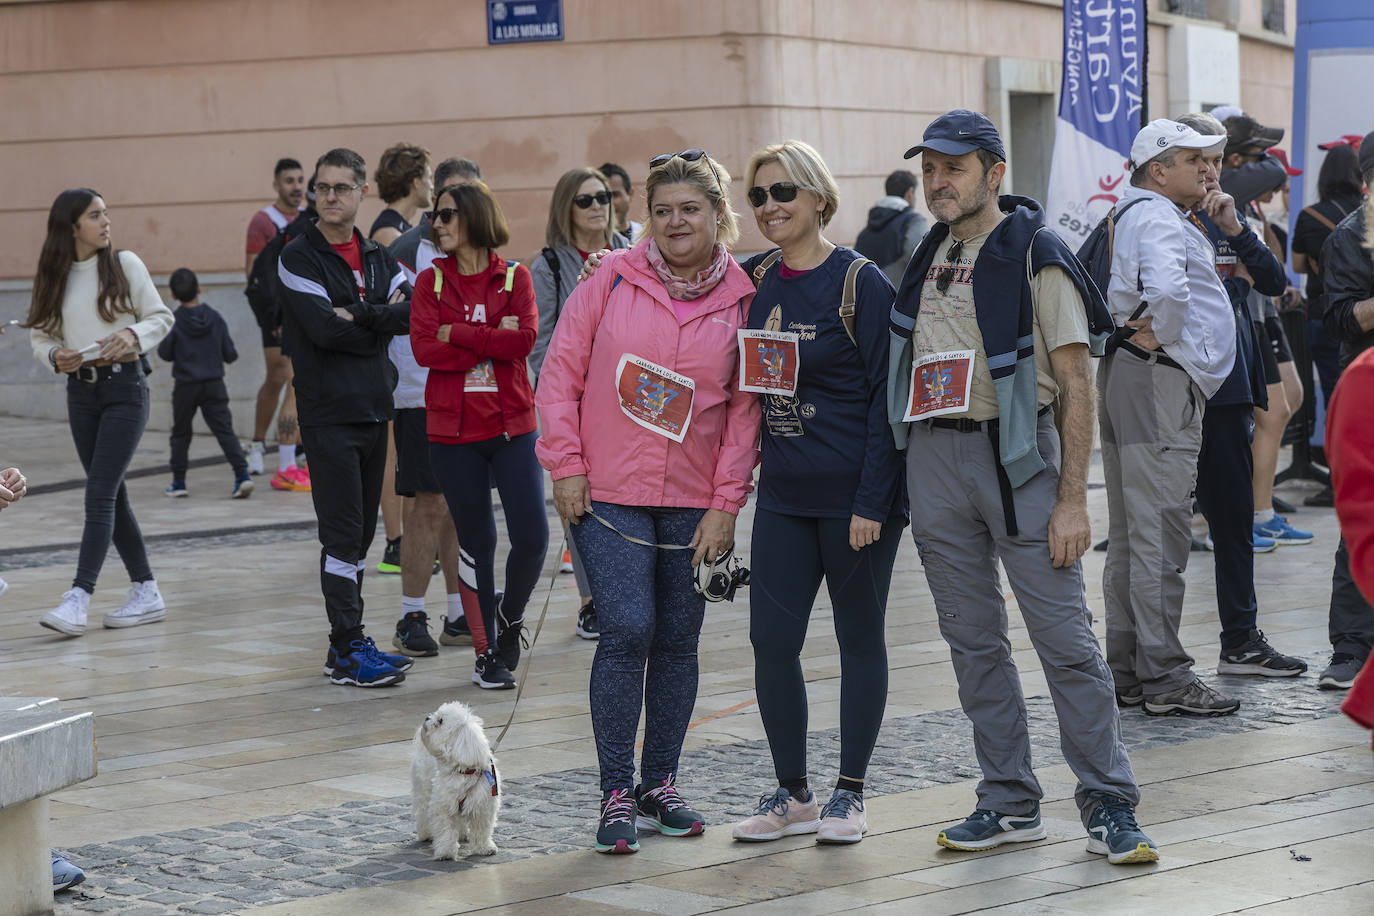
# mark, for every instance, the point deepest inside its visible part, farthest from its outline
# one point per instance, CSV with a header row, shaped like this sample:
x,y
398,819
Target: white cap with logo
x,y
1161,135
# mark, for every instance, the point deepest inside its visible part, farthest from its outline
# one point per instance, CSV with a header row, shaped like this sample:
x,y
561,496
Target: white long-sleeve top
x,y
1173,261
81,325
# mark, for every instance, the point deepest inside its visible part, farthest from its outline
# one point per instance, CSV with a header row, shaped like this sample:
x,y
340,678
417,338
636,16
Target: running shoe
x,y
412,636
1256,656
490,673
616,833
1130,697
1113,831
391,558
254,454
1340,674
177,490
842,818
588,626
399,662
145,605
984,829
69,617
510,640
243,488
565,565
456,633
779,815
294,479
662,810
1281,533
1196,699
362,666
64,873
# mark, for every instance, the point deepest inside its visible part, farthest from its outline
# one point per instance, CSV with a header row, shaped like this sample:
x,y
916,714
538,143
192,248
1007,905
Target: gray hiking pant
x,y
960,529
1151,423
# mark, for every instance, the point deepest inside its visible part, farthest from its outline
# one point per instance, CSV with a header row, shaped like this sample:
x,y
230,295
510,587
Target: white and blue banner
x,y
1100,112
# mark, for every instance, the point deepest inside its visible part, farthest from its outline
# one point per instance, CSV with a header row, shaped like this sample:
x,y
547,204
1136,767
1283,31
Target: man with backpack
x,y
268,232
894,227
1153,390
992,326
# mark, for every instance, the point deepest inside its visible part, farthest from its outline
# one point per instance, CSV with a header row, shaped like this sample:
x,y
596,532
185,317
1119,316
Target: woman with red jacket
x,y
472,323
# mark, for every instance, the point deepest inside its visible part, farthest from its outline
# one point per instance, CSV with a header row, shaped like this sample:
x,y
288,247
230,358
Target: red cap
x,y
1345,140
1282,157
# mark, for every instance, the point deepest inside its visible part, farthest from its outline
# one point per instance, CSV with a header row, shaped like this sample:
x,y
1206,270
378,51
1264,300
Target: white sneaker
x,y
4,586
69,617
144,606
254,456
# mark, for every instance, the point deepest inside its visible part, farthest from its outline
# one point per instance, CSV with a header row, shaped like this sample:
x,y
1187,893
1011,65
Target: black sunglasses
x,y
783,192
585,201
689,155
946,275
446,215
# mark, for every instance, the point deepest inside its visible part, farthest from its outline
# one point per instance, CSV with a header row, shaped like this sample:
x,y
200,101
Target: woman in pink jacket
x,y
644,425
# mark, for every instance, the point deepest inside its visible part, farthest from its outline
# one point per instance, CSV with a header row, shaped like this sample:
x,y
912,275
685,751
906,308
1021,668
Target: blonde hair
x,y
710,178
560,227
804,165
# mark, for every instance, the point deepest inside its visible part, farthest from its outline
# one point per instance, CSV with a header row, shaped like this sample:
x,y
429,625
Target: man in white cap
x,y
1153,390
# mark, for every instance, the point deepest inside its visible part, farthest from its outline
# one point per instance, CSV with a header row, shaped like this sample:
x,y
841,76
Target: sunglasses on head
x,y
782,191
446,215
689,155
946,275
584,201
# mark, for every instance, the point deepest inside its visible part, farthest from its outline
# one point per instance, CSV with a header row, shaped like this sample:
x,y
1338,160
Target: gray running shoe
x,y
1196,699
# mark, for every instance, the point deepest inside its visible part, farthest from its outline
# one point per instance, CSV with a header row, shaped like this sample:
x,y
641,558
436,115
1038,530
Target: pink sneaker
x,y
779,815
293,478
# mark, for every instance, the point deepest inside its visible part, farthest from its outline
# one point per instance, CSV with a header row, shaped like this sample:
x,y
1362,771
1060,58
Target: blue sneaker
x,y
1264,544
399,662
362,666
1113,832
243,488
65,874
177,490
985,829
1281,533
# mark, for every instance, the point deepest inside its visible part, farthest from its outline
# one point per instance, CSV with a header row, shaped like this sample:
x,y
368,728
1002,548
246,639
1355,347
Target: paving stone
x,y
211,906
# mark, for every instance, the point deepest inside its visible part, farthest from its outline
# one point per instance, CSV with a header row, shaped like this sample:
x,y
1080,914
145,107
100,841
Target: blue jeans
x,y
107,419
650,619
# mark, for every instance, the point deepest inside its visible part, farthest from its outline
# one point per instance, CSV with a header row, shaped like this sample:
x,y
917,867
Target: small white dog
x,y
454,785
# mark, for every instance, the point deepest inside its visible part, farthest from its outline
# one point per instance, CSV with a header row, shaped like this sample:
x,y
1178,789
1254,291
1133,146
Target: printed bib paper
x,y
656,398
769,361
940,384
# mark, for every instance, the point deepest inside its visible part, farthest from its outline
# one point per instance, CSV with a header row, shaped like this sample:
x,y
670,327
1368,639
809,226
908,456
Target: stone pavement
x,y
234,778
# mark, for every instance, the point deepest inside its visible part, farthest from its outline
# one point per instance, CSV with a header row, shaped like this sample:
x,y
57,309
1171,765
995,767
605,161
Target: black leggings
x,y
465,473
790,555
107,419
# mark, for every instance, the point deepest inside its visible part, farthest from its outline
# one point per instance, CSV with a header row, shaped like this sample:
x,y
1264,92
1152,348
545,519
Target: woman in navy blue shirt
x,y
830,498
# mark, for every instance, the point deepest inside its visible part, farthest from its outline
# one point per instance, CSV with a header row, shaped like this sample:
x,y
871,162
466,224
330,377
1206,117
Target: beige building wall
x,y
176,110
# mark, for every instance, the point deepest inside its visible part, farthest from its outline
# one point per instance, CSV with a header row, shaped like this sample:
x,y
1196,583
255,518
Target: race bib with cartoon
x,y
481,377
940,384
769,361
656,398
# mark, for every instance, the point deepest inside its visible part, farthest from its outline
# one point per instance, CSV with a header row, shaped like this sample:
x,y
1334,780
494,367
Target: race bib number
x,y
940,384
656,398
481,377
1226,265
769,361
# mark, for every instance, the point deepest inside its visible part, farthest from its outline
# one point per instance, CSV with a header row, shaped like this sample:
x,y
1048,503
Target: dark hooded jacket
x,y
198,346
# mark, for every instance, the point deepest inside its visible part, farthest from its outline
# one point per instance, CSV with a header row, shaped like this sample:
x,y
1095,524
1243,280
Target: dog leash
x,y
529,653
640,541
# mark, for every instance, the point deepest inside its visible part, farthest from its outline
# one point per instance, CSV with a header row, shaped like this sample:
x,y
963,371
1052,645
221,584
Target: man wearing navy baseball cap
x,y
993,323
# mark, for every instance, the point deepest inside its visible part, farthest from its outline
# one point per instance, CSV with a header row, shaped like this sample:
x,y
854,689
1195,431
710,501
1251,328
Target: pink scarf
x,y
685,290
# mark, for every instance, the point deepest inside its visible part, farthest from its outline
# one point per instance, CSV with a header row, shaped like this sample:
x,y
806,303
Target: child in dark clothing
x,y
198,347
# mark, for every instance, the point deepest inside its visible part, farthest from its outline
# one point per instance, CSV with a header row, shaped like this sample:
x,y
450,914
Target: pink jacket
x,y
585,431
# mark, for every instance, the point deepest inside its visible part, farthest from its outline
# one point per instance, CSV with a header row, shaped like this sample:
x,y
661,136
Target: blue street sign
x,y
514,21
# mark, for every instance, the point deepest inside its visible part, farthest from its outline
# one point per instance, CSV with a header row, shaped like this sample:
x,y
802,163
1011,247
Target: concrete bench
x,y
42,750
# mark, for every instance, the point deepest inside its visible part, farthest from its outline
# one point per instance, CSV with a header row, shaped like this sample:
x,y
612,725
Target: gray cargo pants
x,y
961,532
1151,424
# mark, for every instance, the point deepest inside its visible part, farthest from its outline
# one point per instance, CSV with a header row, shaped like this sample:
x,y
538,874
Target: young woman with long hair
x,y
94,313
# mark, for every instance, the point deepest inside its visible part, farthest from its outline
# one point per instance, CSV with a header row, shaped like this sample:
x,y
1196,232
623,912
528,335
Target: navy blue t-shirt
x,y
828,452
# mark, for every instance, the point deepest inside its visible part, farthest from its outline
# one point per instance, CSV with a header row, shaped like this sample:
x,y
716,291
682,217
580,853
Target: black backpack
x,y
264,286
887,245
1096,258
